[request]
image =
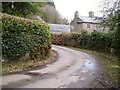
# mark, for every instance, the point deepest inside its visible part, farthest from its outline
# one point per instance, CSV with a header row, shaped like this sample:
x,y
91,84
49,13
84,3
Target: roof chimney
x,y
76,14
91,14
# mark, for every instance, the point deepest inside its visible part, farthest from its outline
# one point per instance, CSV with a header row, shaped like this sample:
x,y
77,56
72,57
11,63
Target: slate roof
x,y
86,19
59,28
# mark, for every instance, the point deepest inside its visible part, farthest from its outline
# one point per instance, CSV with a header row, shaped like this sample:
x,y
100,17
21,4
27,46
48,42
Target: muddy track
x,y
73,69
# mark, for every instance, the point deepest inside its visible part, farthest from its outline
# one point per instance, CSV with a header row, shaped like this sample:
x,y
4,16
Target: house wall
x,y
90,29
82,27
76,27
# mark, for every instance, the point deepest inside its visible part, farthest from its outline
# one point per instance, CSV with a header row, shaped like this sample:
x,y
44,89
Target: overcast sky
x,y
67,7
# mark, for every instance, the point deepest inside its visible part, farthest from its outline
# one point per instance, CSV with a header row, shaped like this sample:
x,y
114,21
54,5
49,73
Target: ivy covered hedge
x,y
21,36
97,41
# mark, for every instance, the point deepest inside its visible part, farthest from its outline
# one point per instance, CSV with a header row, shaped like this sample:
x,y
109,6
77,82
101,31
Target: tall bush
x,y
114,24
21,36
95,41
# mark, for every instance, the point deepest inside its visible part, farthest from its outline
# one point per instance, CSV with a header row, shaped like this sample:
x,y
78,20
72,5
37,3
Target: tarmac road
x,y
73,69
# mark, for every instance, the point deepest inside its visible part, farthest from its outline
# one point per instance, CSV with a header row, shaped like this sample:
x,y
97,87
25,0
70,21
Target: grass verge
x,y
23,65
110,64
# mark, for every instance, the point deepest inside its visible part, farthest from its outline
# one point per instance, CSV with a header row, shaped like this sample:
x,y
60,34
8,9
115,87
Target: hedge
x,y
21,36
95,41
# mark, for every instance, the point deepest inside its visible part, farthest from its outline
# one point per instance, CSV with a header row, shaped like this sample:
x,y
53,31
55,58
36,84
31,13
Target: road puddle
x,y
89,64
35,74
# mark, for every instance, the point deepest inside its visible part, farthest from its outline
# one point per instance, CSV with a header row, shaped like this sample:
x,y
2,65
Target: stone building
x,y
89,23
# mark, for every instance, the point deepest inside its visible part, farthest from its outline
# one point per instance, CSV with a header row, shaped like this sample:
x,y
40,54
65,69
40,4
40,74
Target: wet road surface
x,y
73,69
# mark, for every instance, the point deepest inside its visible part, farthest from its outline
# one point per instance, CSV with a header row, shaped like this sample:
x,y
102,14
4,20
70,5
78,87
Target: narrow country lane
x,y
73,69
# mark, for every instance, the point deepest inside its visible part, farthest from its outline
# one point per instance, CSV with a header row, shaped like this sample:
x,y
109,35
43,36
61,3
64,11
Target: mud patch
x,y
35,74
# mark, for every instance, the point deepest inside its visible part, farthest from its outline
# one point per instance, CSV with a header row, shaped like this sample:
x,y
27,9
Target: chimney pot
x,y
76,14
91,14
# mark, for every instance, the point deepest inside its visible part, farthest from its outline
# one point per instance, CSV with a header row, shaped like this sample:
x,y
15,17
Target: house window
x,y
88,25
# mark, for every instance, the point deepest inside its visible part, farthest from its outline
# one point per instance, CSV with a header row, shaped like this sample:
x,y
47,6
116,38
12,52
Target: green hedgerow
x,y
21,36
95,41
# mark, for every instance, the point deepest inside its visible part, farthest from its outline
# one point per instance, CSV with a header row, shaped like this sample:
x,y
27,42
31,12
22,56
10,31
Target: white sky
x,y
67,7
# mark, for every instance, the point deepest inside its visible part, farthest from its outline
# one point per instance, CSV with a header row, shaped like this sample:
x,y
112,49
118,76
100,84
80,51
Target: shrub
x,y
100,42
95,41
21,36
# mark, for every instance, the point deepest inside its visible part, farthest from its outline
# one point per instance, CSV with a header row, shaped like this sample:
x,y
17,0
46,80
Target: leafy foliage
x,y
21,8
114,23
21,36
46,10
95,41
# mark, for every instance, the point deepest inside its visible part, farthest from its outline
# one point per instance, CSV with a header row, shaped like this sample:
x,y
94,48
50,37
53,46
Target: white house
x,y
89,23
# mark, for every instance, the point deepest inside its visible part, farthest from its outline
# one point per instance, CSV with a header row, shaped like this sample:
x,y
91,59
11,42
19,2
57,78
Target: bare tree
x,y
51,15
108,9
109,6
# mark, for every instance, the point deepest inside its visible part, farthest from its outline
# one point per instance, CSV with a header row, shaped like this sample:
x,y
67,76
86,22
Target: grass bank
x,y
110,63
24,65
